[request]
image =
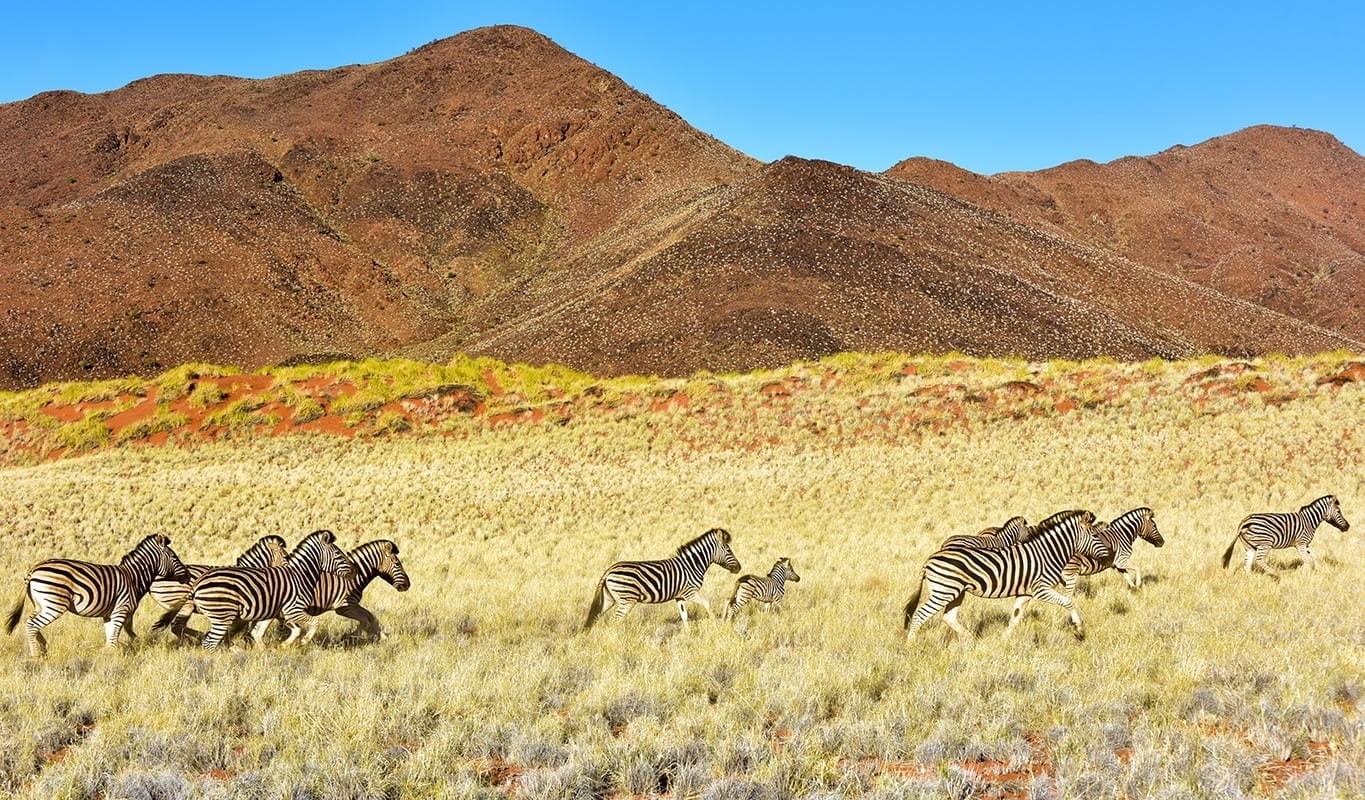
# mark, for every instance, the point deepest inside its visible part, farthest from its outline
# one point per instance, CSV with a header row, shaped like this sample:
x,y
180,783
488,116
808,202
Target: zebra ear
x,y
328,536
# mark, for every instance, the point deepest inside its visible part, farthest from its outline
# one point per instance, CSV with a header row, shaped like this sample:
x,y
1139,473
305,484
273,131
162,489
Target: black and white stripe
x,y
1118,536
342,594
1029,569
679,578
1006,535
108,591
268,551
1261,533
769,590
227,595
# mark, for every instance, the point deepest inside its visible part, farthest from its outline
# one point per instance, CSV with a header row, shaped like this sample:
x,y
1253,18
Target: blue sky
x,y
990,86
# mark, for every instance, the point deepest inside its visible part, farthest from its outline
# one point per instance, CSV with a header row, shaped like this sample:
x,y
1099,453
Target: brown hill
x,y
1272,215
495,194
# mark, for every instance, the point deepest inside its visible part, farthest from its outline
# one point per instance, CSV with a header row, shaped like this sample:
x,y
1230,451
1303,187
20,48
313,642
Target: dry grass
x,y
1203,684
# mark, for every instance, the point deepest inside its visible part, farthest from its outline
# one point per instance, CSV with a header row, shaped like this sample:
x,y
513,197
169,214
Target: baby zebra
x,y
679,578
768,591
268,552
1261,533
1006,535
228,594
109,591
1029,569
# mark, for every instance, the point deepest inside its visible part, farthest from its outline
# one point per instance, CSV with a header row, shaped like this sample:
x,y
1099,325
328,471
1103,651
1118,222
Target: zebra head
x,y
321,548
1089,538
1012,531
381,557
1331,512
721,554
154,553
783,570
1149,531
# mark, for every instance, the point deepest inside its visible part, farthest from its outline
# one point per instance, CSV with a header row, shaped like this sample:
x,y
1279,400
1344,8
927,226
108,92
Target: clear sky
x,y
990,86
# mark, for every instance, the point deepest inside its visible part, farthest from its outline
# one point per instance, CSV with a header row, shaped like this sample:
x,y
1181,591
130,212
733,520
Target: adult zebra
x,y
377,559
228,594
268,552
769,590
1118,536
1030,568
109,591
1006,535
1261,533
679,578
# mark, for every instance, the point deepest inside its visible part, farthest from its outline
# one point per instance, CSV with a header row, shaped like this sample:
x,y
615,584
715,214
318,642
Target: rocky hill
x,y
493,193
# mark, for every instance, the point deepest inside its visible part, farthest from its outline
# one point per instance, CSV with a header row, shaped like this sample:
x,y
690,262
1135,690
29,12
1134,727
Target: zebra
x,y
1030,569
377,559
1006,535
109,591
1118,536
679,578
1261,533
268,552
228,594
768,591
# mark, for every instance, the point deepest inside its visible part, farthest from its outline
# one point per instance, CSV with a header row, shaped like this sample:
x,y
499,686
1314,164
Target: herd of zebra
x,y
1017,560
269,582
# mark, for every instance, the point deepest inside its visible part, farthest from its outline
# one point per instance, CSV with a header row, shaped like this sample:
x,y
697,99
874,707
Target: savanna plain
x,y
1202,683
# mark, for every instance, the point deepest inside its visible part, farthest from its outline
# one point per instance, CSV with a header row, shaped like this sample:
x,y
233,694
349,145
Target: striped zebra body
x,y
377,559
627,583
1118,536
267,553
1006,535
1261,533
227,595
1029,569
108,591
769,590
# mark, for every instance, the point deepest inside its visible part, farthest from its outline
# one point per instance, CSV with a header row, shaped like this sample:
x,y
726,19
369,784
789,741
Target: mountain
x,y
493,193
1272,215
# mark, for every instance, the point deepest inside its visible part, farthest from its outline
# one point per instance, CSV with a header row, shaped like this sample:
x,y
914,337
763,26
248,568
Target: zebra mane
x,y
711,535
146,547
263,547
1058,520
1321,502
311,542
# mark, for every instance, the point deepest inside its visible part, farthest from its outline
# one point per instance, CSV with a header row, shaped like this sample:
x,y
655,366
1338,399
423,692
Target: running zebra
x,y
227,595
1006,535
1261,533
679,578
95,590
1118,536
1029,569
268,552
377,559
768,591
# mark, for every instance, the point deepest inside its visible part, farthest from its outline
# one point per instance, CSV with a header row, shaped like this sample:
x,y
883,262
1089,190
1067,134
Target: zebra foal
x,y
109,591
1029,569
627,583
1261,533
227,595
1118,536
769,590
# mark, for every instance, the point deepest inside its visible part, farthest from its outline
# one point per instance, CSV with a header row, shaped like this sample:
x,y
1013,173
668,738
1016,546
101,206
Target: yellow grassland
x,y
1201,684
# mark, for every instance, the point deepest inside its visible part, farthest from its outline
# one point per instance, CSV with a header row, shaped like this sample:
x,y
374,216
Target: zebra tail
x,y
1227,556
912,605
164,621
16,613
598,602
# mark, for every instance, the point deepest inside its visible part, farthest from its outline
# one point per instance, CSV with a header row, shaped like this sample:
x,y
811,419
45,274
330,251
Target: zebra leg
x,y
623,607
682,611
43,615
1133,576
1307,556
950,617
1053,596
257,634
1263,561
220,630
368,629
1017,613
937,600
113,625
